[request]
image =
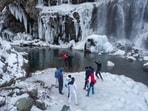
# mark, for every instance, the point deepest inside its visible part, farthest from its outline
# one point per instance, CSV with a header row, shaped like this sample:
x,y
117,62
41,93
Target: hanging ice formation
x,y
55,24
18,12
1,22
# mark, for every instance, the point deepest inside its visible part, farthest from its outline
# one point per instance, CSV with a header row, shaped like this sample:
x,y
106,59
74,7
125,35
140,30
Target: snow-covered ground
x,y
115,93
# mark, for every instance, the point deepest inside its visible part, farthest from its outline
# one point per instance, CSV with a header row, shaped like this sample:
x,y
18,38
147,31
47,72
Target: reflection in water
x,y
42,58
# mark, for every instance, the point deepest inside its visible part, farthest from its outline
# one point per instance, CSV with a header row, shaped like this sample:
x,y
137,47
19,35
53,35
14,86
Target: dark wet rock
x,y
2,101
131,59
1,76
65,108
33,93
8,83
10,93
40,105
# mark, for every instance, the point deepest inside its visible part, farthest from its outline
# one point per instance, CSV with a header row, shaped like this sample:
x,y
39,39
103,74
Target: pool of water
x,y
43,58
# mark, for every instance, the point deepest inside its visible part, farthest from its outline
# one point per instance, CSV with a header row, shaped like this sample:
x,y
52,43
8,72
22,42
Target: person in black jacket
x,y
87,73
70,57
99,65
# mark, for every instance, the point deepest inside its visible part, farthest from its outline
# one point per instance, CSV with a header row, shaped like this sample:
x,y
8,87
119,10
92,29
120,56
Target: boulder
x,y
33,93
65,108
24,104
40,105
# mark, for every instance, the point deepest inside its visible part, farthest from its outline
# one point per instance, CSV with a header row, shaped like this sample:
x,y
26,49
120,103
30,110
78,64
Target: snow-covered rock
x,y
110,64
145,66
145,58
11,63
131,58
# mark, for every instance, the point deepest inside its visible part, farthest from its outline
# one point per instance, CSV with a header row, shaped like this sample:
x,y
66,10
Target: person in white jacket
x,y
73,92
67,80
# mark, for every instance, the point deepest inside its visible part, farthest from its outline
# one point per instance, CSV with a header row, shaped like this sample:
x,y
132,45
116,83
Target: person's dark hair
x,y
86,67
90,67
69,76
72,81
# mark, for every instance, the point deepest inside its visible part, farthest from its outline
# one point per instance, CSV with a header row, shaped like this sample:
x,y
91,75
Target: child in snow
x,y
60,79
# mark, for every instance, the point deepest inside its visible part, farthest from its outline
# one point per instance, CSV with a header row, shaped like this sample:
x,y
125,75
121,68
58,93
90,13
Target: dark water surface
x,y
42,58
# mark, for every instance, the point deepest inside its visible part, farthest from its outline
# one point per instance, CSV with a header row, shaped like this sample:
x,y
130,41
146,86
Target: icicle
x,y
85,20
19,14
76,27
25,21
40,28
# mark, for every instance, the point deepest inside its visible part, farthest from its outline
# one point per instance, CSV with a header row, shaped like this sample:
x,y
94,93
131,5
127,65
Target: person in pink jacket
x,y
92,81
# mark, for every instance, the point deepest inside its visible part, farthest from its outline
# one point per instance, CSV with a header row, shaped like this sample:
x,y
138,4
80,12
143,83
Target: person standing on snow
x,y
87,73
99,65
70,57
92,81
65,59
60,79
73,93
68,79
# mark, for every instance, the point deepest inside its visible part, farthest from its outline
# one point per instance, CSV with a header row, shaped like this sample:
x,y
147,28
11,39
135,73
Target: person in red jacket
x,y
92,81
65,58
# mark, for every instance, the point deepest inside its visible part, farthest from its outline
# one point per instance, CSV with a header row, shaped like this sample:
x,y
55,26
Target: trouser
x,y
60,86
69,63
99,75
73,94
86,84
65,63
90,87
68,92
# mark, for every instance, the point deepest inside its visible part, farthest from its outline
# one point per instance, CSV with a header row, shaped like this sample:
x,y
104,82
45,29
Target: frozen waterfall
x,y
123,20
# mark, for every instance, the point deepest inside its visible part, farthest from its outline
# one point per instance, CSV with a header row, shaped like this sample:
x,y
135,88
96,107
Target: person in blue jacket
x,y
60,79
